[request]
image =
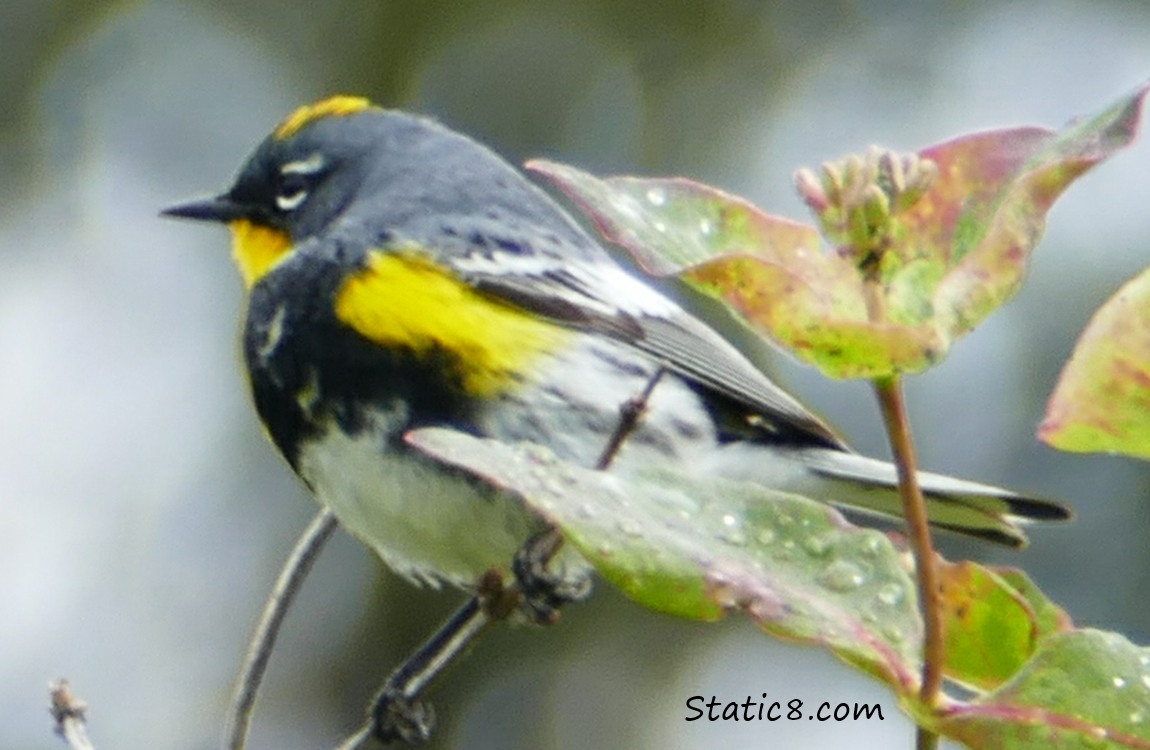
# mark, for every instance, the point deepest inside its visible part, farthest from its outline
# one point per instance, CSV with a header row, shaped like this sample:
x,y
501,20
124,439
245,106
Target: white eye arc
x,y
291,201
294,175
311,165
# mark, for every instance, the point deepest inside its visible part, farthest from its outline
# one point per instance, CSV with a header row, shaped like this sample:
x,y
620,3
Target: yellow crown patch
x,y
335,106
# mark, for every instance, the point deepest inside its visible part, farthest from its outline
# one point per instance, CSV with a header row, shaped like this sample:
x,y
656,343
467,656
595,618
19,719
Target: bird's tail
x,y
868,486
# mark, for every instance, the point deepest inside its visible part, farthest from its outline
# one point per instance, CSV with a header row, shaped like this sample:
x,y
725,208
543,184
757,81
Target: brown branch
x,y
68,712
889,392
629,414
295,570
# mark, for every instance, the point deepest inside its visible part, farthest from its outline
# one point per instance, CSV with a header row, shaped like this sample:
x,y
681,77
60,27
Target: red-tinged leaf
x,y
1010,179
1102,400
669,224
770,270
825,325
953,256
972,171
703,547
1082,689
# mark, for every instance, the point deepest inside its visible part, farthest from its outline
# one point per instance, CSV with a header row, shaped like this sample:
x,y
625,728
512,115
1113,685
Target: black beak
x,y
221,208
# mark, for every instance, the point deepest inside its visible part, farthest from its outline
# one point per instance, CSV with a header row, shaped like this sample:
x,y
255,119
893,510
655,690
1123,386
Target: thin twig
x,y
68,711
889,392
629,414
891,403
296,568
356,741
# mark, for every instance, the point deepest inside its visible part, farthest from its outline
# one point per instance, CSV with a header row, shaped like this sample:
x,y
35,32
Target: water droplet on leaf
x,y
819,545
630,528
891,594
842,576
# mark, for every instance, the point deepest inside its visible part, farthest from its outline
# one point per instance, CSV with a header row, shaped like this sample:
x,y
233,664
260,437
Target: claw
x,y
544,591
396,718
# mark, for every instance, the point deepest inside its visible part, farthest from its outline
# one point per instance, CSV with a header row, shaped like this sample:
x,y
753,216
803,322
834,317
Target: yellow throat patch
x,y
404,299
256,248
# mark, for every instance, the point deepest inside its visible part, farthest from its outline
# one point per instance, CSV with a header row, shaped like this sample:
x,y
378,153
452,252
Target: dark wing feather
x,y
697,351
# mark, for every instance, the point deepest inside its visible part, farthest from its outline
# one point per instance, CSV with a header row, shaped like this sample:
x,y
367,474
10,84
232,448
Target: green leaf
x,y
1082,689
953,256
994,621
1049,618
819,321
699,548
1102,400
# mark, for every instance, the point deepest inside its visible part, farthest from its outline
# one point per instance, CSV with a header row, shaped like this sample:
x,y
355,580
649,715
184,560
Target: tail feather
x,y
867,485
857,484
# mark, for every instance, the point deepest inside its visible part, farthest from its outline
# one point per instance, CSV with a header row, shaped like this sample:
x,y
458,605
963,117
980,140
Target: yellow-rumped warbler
x,y
401,275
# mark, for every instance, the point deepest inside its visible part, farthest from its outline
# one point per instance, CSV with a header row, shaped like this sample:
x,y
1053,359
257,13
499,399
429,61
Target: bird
x,y
401,275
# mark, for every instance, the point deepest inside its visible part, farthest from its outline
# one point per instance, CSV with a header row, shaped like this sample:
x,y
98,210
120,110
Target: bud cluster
x,y
856,198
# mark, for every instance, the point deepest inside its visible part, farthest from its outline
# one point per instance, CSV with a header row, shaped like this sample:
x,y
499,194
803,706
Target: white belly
x,y
427,524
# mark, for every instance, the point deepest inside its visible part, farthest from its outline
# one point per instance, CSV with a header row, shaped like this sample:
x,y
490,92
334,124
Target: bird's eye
x,y
295,180
291,193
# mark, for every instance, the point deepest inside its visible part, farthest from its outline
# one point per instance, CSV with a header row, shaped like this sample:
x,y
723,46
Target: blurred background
x,y
143,517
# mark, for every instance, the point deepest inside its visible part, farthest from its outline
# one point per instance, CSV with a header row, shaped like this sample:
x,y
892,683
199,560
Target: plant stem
x,y
629,414
889,392
291,578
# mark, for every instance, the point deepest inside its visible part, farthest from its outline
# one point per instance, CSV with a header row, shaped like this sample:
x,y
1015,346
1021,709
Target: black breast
x,y
309,372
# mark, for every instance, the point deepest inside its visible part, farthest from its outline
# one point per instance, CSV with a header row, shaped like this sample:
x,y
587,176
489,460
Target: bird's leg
x,y
398,712
544,591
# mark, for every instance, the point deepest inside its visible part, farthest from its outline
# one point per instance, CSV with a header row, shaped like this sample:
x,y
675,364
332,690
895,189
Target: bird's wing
x,y
601,296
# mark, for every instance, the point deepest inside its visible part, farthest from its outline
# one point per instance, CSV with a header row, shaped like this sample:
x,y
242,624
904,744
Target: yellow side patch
x,y
406,300
256,248
335,106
